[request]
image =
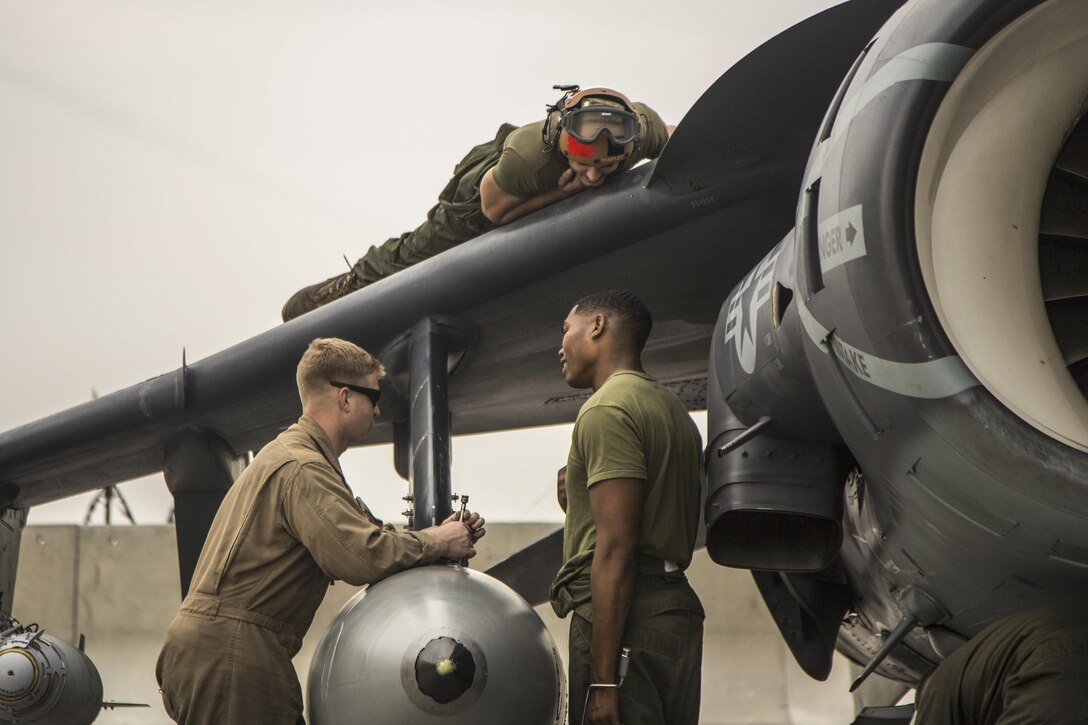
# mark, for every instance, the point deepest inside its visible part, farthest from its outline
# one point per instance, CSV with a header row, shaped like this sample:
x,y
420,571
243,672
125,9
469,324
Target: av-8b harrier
x,y
866,248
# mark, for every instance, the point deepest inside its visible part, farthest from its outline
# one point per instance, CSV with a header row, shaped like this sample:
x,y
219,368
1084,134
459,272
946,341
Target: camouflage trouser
x,y
456,218
663,677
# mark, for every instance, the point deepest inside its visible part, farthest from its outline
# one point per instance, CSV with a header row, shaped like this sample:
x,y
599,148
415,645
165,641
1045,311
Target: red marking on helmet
x,y
577,148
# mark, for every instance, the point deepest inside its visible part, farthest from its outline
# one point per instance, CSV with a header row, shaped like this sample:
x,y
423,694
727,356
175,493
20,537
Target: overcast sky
x,y
170,172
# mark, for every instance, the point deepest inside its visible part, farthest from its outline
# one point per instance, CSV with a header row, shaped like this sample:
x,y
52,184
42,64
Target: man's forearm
x,y
526,206
612,584
502,207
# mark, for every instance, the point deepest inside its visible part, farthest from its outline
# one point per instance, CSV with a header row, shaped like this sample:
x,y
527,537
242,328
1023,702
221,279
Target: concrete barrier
x,y
118,585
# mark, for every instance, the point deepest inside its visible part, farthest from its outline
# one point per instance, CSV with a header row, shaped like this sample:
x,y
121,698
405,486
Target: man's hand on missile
x,y
456,536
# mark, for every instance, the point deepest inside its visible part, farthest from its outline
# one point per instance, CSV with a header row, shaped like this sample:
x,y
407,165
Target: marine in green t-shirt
x,y
588,136
633,503
1030,667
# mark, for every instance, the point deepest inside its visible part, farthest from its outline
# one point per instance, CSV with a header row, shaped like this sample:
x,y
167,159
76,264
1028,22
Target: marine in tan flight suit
x,y
288,528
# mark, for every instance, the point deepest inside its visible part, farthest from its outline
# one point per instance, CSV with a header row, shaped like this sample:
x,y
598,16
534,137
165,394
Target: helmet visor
x,y
587,124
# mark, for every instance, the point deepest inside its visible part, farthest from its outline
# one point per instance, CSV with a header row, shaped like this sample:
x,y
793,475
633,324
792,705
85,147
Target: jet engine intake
x,y
940,248
930,309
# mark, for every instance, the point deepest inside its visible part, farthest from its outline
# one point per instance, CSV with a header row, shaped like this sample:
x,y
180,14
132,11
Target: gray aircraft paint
x,y
926,62
931,379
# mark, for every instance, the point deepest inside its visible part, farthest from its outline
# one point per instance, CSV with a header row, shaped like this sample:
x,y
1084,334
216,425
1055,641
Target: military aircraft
x,y
921,335
888,197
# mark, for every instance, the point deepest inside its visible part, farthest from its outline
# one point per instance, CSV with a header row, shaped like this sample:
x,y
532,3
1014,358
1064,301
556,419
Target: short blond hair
x,y
330,358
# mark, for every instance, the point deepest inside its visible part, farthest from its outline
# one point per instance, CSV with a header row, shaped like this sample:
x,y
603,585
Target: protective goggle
x,y
587,124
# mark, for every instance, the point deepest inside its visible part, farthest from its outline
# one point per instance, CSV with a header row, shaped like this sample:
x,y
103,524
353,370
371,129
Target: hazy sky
x,y
170,172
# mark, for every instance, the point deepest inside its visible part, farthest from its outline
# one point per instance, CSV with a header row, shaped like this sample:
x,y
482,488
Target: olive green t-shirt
x,y
1030,667
632,427
525,169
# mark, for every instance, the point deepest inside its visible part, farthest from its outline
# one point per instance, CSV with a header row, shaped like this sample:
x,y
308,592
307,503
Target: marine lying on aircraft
x,y
588,135
921,390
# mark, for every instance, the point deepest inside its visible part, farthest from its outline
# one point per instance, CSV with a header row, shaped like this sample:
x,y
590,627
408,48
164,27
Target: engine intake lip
x,y
981,183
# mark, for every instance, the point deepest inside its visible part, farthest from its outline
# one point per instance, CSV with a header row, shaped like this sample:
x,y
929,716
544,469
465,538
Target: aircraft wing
x,y
679,233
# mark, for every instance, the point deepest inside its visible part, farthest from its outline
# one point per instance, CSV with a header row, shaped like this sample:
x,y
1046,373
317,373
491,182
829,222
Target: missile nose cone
x,y
437,644
45,679
444,669
18,674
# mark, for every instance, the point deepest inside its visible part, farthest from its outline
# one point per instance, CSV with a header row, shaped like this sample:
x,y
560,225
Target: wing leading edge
x,y
679,233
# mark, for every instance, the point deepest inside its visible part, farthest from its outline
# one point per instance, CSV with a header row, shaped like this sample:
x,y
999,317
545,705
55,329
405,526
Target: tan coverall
x,y
287,528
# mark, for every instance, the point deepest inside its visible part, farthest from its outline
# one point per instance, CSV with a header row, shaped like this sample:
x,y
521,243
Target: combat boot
x,y
310,298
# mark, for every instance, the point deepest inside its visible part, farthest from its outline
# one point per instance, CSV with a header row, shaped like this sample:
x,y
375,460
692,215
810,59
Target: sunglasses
x,y
373,393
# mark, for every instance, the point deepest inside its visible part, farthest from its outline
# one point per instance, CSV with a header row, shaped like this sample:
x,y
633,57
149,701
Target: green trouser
x,y
456,218
664,673
1045,684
